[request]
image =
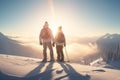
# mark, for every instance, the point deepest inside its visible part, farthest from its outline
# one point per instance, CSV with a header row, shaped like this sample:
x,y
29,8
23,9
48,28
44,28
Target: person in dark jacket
x,y
60,43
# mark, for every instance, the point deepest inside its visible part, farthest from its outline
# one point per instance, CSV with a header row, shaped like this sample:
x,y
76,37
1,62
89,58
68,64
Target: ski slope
x,y
25,68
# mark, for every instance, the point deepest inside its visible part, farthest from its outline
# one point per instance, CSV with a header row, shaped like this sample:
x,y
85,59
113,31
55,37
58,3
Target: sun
x,y
54,28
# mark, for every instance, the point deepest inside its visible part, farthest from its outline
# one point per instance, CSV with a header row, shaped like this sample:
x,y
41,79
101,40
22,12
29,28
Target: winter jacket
x,y
51,38
63,42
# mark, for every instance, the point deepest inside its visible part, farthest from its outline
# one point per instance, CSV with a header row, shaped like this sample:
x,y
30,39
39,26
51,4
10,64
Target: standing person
x,y
46,38
60,42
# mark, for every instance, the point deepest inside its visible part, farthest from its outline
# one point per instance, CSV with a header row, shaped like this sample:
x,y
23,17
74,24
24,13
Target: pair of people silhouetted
x,y
47,40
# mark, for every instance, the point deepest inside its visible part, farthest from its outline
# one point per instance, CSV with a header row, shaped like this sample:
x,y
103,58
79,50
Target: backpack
x,y
45,34
60,38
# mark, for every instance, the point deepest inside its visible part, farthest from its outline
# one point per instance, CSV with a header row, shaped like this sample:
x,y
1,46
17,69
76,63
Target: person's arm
x,y
64,40
40,38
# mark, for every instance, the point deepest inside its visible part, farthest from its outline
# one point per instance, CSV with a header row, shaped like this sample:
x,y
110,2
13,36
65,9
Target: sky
x,y
83,18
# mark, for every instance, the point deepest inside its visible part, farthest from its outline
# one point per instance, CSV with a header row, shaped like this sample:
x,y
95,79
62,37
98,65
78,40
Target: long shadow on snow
x,y
46,75
7,77
72,74
32,75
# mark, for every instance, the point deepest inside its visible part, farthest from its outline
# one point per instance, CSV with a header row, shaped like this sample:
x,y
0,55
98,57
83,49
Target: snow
x,y
109,47
100,63
25,68
18,47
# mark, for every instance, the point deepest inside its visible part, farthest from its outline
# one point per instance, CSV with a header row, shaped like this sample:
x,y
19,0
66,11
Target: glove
x,y
53,44
40,43
64,44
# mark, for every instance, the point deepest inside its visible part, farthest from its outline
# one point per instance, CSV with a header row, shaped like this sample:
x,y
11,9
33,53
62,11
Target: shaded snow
x,y
100,63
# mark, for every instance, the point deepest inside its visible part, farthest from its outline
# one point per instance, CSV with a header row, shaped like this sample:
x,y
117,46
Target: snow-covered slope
x,y
15,47
109,47
24,68
100,63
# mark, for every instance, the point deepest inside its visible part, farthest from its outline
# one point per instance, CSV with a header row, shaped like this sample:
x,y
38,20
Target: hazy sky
x,y
78,17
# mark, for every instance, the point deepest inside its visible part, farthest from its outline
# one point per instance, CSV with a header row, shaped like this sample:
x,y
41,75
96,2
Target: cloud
x,y
77,48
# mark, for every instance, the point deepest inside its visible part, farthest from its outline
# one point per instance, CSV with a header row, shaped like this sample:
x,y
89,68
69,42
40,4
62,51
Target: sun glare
x,y
54,28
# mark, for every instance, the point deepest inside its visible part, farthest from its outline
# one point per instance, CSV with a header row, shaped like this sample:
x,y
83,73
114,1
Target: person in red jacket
x,y
46,38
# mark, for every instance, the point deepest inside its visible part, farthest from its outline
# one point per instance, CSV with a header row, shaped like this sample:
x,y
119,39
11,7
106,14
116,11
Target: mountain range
x,y
14,47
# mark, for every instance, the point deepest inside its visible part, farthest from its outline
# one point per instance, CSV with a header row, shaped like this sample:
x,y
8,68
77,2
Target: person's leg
x,y
61,53
44,52
58,52
51,51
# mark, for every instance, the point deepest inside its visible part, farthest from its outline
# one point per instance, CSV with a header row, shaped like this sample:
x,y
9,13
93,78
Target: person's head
x,y
46,24
60,28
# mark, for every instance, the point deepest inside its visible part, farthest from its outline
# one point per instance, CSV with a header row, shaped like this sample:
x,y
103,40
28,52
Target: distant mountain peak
x,y
107,35
3,37
1,34
111,36
109,46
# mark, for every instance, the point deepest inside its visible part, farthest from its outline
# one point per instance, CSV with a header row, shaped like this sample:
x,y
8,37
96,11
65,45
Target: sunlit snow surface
x,y
24,68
